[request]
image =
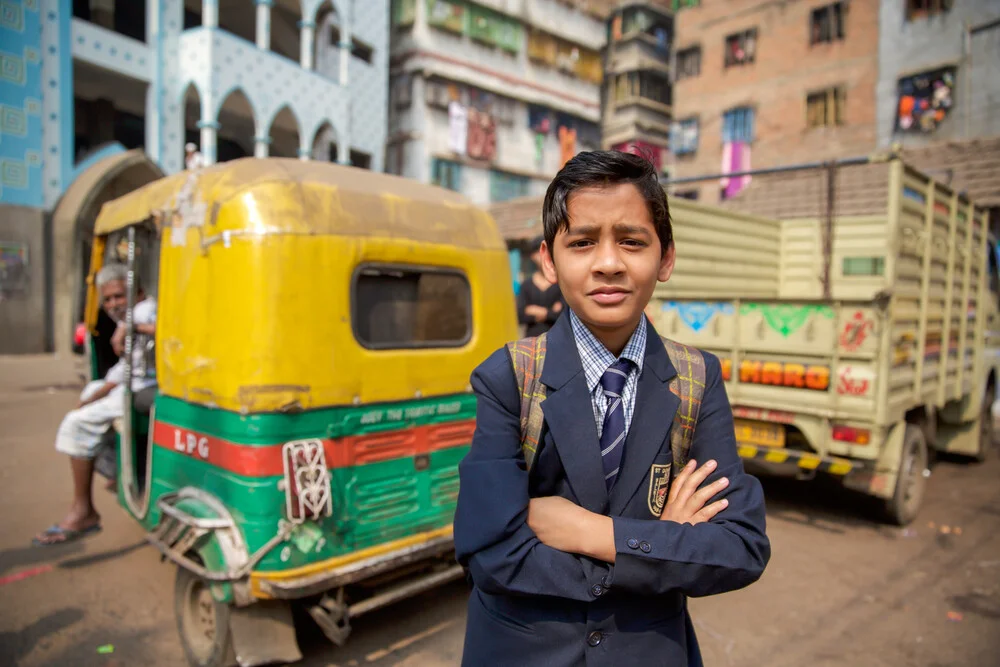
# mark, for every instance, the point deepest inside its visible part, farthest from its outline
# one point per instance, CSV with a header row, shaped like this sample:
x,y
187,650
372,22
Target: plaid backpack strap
x,y
689,386
528,357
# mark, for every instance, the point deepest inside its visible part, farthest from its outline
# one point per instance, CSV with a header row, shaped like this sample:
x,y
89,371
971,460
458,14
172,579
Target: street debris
x,y
106,649
955,616
908,533
945,530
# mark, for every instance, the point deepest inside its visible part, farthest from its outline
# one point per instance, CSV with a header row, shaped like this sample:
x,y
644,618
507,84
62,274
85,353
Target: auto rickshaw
x,y
317,326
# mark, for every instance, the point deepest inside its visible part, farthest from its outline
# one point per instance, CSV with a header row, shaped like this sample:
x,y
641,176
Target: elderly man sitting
x,y
101,402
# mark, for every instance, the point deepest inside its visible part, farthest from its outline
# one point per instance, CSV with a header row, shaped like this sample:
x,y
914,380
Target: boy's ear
x,y
667,263
548,264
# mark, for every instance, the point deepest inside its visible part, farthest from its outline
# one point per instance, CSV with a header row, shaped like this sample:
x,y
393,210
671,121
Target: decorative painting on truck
x,y
697,314
786,319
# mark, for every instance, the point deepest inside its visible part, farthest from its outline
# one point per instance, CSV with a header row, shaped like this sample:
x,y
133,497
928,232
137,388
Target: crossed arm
x,y
513,544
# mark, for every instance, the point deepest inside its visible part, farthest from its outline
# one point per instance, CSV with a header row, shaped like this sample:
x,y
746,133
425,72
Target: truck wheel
x,y
203,623
987,434
902,508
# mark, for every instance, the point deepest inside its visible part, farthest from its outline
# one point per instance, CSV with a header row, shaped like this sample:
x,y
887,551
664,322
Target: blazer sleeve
x,y
492,538
727,553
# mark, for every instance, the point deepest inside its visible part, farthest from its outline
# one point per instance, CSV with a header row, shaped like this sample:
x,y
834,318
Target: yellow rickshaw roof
x,y
279,195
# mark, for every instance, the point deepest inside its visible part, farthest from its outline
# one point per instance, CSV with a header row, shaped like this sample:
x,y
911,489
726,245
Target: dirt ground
x,y
840,589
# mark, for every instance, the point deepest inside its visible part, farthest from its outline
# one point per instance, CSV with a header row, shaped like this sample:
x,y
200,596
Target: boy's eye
x,y
636,243
580,243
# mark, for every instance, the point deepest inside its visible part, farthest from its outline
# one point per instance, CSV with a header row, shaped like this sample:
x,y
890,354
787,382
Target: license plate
x,y
762,434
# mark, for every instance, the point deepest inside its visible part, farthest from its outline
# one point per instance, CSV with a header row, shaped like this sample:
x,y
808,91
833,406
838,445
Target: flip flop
x,y
68,535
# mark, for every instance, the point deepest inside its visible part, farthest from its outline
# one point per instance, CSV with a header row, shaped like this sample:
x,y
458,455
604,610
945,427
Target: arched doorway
x,y
237,123
191,103
324,144
73,229
284,133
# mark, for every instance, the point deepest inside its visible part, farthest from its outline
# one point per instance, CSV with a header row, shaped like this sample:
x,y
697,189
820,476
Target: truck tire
x,y
902,508
203,623
987,433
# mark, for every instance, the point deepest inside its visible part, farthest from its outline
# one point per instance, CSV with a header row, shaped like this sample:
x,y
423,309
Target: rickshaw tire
x,y
202,622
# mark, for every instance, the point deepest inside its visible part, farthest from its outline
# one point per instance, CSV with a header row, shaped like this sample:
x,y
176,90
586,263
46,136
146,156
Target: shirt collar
x,y
593,350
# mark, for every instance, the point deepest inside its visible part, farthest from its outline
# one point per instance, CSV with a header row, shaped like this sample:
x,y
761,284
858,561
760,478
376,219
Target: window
x,y
738,125
683,4
646,85
446,15
691,195
404,12
688,62
494,29
741,48
825,108
401,307
401,91
826,24
920,9
360,160
447,174
436,93
361,51
863,266
504,186
684,137
634,21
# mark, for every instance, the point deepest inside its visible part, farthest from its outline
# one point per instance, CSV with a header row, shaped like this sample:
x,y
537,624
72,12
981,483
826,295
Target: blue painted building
x,y
84,82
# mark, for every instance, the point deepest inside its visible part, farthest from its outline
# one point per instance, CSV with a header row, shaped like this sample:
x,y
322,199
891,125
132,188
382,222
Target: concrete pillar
x,y
308,43
209,134
210,13
343,153
261,146
345,53
264,24
305,154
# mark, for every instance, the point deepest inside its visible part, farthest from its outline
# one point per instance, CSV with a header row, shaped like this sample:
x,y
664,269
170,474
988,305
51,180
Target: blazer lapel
x,y
570,418
655,406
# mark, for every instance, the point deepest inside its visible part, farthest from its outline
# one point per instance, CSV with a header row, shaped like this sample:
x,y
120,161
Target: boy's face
x,y
609,260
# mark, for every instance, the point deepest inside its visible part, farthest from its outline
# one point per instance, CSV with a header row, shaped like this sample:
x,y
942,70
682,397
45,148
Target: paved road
x,y
840,590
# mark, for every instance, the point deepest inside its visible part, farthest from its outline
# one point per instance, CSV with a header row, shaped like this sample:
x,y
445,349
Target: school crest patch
x,y
659,480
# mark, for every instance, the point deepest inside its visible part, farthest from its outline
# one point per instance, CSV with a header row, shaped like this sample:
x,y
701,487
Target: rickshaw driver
x,y
101,402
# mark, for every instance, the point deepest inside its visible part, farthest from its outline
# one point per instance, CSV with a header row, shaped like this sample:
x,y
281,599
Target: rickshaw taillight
x,y
307,481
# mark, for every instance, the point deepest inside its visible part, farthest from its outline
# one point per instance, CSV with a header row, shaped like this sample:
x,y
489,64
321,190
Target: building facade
x,y
490,98
938,87
84,80
761,83
637,100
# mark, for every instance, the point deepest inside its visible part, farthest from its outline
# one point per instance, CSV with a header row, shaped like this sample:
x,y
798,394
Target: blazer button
x,y
632,543
597,590
645,548
595,638
605,581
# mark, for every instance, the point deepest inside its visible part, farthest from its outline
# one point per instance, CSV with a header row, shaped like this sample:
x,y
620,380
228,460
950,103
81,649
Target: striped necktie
x,y
613,432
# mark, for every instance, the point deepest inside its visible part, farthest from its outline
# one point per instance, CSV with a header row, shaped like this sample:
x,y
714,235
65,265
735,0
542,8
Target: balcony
x,y
110,50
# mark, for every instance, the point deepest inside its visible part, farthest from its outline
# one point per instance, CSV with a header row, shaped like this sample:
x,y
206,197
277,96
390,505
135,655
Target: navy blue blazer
x,y
532,605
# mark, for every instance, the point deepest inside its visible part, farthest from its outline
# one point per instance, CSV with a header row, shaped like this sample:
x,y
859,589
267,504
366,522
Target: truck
x,y
854,342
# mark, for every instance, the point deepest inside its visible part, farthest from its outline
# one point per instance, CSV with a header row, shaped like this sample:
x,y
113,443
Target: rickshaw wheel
x,y
203,623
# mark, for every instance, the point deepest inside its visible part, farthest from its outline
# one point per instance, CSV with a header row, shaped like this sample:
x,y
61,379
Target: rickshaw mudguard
x,y
197,533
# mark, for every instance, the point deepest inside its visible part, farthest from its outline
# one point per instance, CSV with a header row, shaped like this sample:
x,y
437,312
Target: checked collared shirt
x,y
596,359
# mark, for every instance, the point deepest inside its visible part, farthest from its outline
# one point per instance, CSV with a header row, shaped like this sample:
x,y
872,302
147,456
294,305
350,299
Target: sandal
x,y
63,535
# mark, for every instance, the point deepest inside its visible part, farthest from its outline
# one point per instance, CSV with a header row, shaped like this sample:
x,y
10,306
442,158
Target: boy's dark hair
x,y
603,168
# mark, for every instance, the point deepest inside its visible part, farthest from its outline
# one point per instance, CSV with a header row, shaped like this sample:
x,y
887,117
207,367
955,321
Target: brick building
x,y
762,83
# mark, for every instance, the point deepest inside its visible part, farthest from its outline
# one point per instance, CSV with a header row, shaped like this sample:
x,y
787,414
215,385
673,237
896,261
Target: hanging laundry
x,y
567,145
458,127
735,159
482,141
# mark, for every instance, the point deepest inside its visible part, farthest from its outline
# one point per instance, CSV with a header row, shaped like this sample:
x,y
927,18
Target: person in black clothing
x,y
539,303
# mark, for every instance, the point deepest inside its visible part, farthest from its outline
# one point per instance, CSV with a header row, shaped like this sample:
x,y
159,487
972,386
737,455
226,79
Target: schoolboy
x,y
570,562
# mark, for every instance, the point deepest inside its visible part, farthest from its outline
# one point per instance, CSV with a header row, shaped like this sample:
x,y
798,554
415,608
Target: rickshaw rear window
x,y
405,307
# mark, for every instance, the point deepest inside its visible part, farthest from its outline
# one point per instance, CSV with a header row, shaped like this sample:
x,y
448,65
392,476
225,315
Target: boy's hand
x,y
686,503
118,340
564,525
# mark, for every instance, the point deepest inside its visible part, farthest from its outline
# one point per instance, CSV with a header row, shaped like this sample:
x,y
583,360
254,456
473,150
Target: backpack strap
x,y
689,386
528,357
